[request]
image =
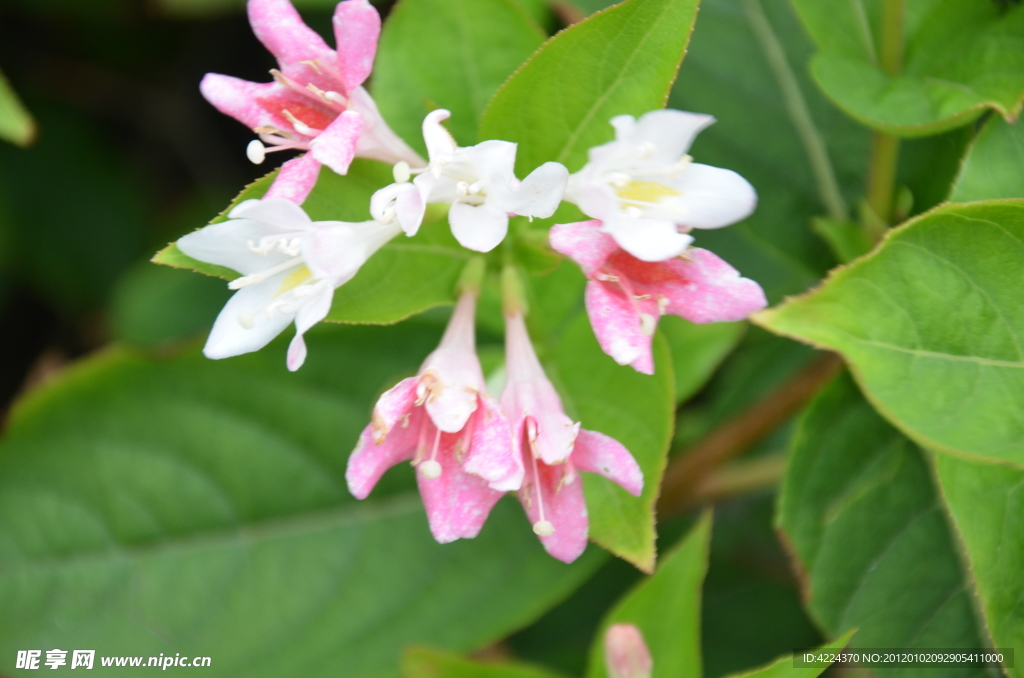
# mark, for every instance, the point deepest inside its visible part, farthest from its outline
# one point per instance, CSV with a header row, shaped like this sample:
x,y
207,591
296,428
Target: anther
x,y
543,528
312,64
430,469
300,127
256,152
648,324
401,172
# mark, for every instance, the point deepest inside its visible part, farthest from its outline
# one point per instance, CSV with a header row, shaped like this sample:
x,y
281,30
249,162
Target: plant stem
x,y
811,139
885,148
739,478
690,468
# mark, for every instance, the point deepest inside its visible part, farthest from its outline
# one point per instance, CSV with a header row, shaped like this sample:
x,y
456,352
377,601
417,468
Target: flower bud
x,y
625,653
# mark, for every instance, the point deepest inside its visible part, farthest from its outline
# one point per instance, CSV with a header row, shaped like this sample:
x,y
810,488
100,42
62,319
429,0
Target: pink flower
x,y
452,430
316,102
625,652
553,449
626,296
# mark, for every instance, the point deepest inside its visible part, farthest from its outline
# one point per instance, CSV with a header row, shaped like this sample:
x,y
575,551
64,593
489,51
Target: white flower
x,y
649,194
479,182
290,266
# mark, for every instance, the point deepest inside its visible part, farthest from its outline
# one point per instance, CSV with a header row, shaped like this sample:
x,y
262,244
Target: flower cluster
x,y
644,196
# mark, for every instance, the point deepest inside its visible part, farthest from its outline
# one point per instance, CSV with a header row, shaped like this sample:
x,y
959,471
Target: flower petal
x,y
585,243
541,192
670,133
281,30
457,503
709,290
312,312
278,212
555,494
243,100
713,197
597,453
336,145
407,201
244,325
378,141
480,228
648,239
492,455
226,244
356,31
296,179
370,460
438,140
393,405
617,325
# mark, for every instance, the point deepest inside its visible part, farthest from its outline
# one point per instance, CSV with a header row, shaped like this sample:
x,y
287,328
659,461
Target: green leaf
x,y
985,503
185,505
994,166
932,325
449,54
616,62
697,350
666,609
847,239
16,124
783,667
635,409
422,663
959,59
869,533
405,277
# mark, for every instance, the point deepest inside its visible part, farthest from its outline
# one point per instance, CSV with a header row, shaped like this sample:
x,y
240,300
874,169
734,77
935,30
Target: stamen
x,y
648,324
543,527
300,127
401,172
606,277
247,280
312,63
662,304
430,468
256,152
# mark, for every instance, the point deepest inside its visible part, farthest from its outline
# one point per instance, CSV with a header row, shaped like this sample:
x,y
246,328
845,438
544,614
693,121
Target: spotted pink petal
x,y
281,30
616,324
356,29
560,490
241,99
709,290
584,243
393,406
370,460
336,145
492,455
457,502
597,453
296,179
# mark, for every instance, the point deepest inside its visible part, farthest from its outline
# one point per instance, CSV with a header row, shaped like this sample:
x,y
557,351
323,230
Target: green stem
x,y
800,115
513,293
885,148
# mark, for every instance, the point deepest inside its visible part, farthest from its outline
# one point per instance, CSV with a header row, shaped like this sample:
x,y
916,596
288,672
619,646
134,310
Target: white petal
x,y
624,126
480,228
540,193
648,239
336,250
670,132
439,142
408,201
227,244
310,314
713,197
229,337
495,161
279,212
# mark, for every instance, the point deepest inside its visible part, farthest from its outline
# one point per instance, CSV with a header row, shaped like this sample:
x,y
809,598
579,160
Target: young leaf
x,y
635,409
405,277
933,327
186,505
423,663
994,166
619,61
869,533
16,124
984,501
783,667
666,609
959,59
448,54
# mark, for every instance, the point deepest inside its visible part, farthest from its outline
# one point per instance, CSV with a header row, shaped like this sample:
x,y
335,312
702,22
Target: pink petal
x,y
393,406
491,453
336,145
296,179
709,290
356,29
457,503
561,496
370,460
241,99
597,453
584,243
281,30
616,324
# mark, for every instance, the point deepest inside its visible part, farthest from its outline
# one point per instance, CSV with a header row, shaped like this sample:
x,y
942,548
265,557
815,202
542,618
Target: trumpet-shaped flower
x,y
452,430
648,194
290,267
554,449
478,182
626,296
316,102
